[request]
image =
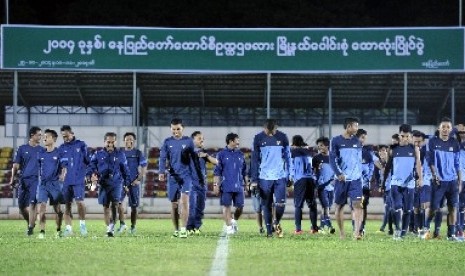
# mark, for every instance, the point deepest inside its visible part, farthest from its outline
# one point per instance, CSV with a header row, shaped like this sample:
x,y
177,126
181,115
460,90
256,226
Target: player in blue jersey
x,y
444,160
304,184
137,164
422,196
345,157
177,150
74,161
368,166
198,193
461,209
406,174
324,176
50,187
230,176
270,167
380,166
26,160
109,168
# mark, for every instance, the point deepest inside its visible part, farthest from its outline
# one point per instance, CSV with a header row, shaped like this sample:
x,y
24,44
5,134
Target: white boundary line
x,y
220,262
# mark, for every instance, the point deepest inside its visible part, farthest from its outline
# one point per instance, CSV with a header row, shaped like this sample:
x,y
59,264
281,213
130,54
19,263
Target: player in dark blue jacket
x,y
198,193
406,174
304,183
50,186
230,176
178,151
137,164
368,166
345,157
270,167
444,159
74,161
26,160
109,168
324,176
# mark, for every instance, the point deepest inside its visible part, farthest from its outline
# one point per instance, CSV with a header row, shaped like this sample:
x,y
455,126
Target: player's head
x,y
298,141
197,137
418,138
129,140
67,133
50,137
383,151
405,132
270,126
232,140
110,141
323,144
445,128
176,128
461,132
361,135
395,139
351,125
35,134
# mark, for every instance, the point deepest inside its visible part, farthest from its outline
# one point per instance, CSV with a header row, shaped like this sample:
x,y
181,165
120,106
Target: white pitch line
x,y
220,263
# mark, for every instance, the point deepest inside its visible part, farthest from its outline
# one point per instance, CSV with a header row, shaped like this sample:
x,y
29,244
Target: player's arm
x,y
418,167
333,157
14,173
431,159
162,162
217,172
387,170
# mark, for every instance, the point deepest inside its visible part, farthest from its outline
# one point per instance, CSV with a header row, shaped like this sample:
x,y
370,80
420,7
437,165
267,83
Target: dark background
x,y
238,13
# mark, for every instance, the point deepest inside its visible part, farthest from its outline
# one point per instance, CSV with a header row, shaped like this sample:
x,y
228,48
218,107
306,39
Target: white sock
x,y
82,222
68,227
183,229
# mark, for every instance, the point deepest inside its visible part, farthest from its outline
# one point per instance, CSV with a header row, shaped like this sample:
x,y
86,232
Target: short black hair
x,y
298,141
66,128
417,133
230,137
361,132
324,140
446,120
33,130
395,136
176,121
382,146
52,132
350,120
195,133
109,134
130,134
271,124
405,128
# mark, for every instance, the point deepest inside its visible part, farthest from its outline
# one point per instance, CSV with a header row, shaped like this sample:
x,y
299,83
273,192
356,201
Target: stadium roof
x,y
428,93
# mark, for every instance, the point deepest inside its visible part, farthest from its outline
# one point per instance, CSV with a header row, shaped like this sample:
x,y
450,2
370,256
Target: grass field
x,y
153,252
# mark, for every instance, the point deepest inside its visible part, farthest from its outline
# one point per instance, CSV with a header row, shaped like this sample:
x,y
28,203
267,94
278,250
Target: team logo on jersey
x,y
55,158
410,154
184,146
451,149
355,145
278,143
78,150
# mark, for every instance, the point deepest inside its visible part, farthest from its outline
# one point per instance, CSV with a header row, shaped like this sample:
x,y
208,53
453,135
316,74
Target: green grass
x,y
154,252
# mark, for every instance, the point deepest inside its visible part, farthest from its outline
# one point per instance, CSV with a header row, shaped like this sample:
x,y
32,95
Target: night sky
x,y
237,13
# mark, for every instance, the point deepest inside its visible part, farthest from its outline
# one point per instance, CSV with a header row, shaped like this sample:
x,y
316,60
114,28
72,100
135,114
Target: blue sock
x,y
279,210
385,217
405,222
461,219
298,219
267,215
437,221
397,219
450,230
328,222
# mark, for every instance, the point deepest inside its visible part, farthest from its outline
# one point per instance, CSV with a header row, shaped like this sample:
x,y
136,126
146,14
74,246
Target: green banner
x,y
81,48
